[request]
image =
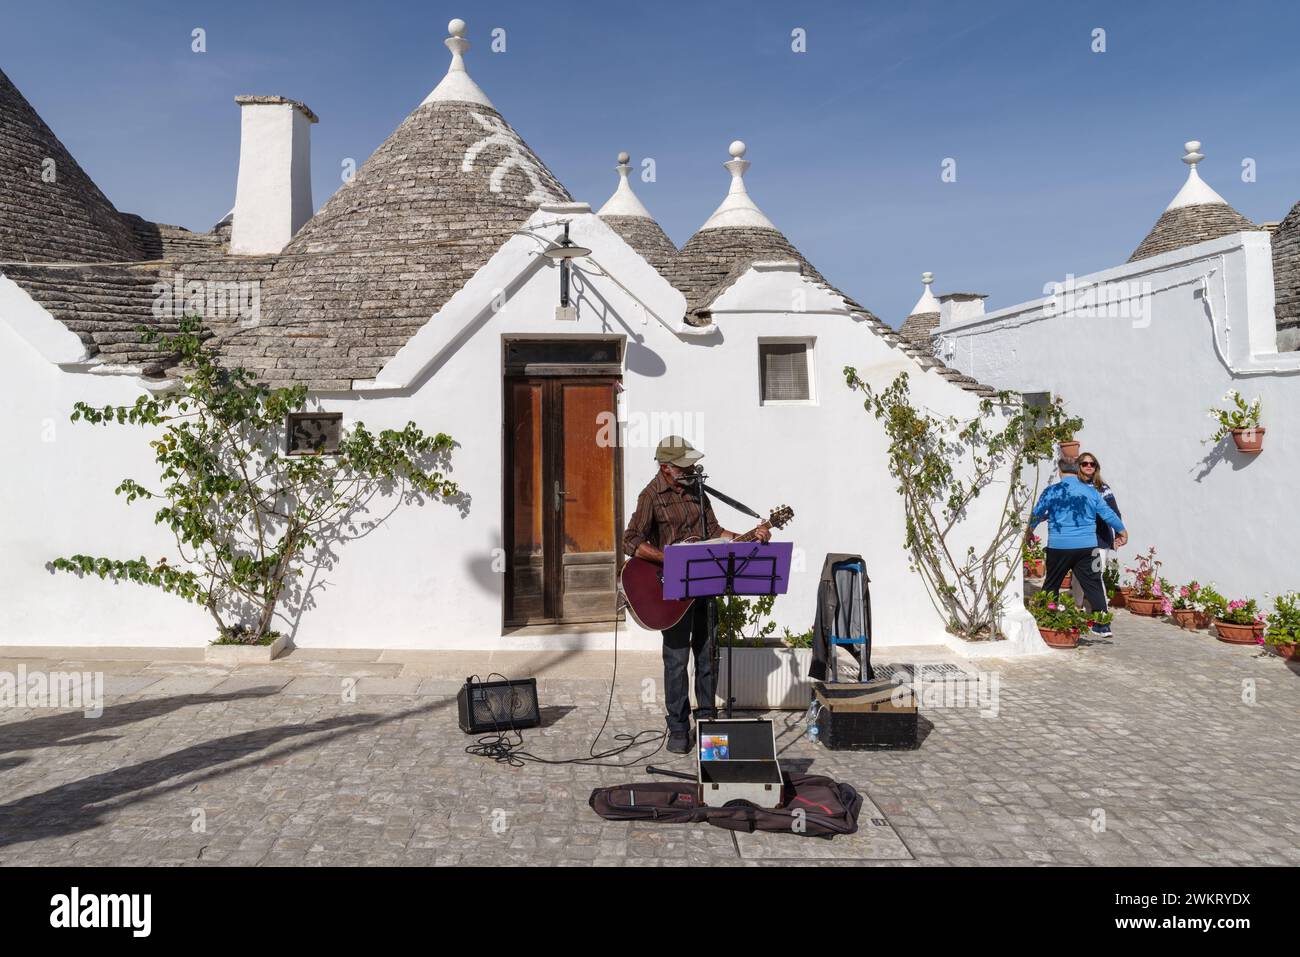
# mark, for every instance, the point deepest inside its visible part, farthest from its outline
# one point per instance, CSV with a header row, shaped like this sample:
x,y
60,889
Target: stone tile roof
x,y
1188,225
647,238
714,259
104,305
158,241
51,213
1286,280
916,329
421,216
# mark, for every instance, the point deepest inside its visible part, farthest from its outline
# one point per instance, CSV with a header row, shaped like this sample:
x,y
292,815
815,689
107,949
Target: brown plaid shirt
x,y
665,516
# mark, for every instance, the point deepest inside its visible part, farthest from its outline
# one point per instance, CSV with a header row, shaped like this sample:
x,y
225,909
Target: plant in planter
x,y
1060,620
769,672
1110,582
740,621
803,639
1283,634
1070,448
1186,610
1034,556
248,517
1150,593
1240,622
1241,422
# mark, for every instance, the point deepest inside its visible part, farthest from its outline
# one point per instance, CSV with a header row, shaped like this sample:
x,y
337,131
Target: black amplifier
x,y
869,716
485,706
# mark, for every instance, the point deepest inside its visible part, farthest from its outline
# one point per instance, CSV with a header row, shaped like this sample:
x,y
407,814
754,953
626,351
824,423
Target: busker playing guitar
x,y
668,513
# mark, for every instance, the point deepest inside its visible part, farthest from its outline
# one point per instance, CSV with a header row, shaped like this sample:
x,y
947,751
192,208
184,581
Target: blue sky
x,y
1064,157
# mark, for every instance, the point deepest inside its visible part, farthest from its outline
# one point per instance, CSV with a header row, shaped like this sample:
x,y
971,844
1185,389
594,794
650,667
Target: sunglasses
x,y
1087,465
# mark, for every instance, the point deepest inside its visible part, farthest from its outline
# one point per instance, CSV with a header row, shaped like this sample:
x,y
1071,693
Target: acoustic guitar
x,y
643,581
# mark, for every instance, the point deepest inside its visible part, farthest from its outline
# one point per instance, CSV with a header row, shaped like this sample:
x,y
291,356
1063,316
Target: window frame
x,y
810,348
293,417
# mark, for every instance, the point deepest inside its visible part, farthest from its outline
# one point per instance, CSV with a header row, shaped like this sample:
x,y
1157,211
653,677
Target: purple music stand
x,y
710,569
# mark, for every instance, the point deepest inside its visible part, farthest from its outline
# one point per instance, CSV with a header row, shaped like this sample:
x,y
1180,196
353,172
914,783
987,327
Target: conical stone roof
x,y
50,210
735,237
1197,214
1286,280
923,319
628,217
421,216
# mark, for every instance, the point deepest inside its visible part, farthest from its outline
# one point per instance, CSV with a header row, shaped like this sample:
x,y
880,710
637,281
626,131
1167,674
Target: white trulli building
x,y
419,292
1207,303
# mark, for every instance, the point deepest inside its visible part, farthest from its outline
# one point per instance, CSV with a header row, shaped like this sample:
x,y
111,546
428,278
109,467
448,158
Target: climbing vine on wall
x,y
246,515
942,465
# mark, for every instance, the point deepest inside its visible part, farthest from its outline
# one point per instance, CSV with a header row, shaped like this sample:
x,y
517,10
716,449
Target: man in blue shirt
x,y
1072,508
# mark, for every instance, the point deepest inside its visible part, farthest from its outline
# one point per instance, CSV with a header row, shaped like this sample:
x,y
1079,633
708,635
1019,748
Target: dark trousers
x,y
1085,564
691,634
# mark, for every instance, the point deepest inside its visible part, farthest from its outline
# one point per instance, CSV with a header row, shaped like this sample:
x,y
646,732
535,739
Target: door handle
x,y
559,496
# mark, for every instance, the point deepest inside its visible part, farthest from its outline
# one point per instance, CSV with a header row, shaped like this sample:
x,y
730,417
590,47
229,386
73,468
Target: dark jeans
x,y
1086,564
689,634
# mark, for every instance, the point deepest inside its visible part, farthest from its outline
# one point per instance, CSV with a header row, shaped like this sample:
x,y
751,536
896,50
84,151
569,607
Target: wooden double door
x,y
562,498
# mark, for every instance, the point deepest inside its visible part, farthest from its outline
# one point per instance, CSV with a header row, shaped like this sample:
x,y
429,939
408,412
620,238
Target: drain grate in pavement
x,y
928,671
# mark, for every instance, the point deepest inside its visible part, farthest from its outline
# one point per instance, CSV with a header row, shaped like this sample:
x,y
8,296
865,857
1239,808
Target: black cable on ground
x,y
505,746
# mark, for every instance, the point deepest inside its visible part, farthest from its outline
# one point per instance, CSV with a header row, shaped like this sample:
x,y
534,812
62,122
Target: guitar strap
x,y
732,502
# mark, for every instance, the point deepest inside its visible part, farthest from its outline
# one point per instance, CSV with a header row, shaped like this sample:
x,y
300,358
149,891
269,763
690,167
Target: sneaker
x,y
1103,630
679,742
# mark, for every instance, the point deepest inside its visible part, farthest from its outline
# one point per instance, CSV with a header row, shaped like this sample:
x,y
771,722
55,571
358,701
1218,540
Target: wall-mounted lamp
x,y
565,251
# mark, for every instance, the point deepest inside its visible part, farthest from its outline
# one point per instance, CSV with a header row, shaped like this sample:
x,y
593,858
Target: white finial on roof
x,y
737,209
1194,191
624,202
457,86
927,303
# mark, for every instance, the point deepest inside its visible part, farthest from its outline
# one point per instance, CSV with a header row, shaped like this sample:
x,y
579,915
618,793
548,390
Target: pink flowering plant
x,y
1185,596
1284,622
1058,612
1147,582
1033,551
1209,602
1242,611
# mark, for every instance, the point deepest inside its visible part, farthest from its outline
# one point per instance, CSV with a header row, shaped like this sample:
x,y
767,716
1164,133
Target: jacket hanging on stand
x,y
843,613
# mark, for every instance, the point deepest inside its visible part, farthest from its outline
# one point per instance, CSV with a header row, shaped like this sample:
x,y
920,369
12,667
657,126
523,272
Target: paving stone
x,y
1139,732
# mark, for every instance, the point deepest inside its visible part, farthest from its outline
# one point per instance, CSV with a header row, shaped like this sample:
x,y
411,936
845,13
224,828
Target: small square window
x,y
783,368
314,433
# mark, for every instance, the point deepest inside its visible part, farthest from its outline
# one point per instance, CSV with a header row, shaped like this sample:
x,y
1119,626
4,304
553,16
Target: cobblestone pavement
x,y
1155,747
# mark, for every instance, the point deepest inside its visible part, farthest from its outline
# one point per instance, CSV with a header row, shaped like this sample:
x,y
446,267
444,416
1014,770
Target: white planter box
x,y
775,678
245,654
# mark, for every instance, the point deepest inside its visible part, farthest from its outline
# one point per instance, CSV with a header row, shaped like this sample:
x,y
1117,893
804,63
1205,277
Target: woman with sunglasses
x,y
1107,539
1090,474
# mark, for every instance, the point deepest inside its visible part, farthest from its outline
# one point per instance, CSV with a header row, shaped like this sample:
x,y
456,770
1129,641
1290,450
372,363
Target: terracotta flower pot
x,y
1067,580
1070,449
1202,619
1291,652
1250,441
1148,607
1036,568
1059,639
1238,634
1187,618
1116,600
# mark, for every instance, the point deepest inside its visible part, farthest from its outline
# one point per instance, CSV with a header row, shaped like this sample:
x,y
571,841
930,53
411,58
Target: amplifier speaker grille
x,y
484,706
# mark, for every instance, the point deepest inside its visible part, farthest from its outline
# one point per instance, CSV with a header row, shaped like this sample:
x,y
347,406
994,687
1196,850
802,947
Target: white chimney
x,y
958,307
273,193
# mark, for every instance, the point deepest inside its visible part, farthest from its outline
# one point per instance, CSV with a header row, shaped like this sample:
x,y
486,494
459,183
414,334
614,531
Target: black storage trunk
x,y
485,706
865,717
